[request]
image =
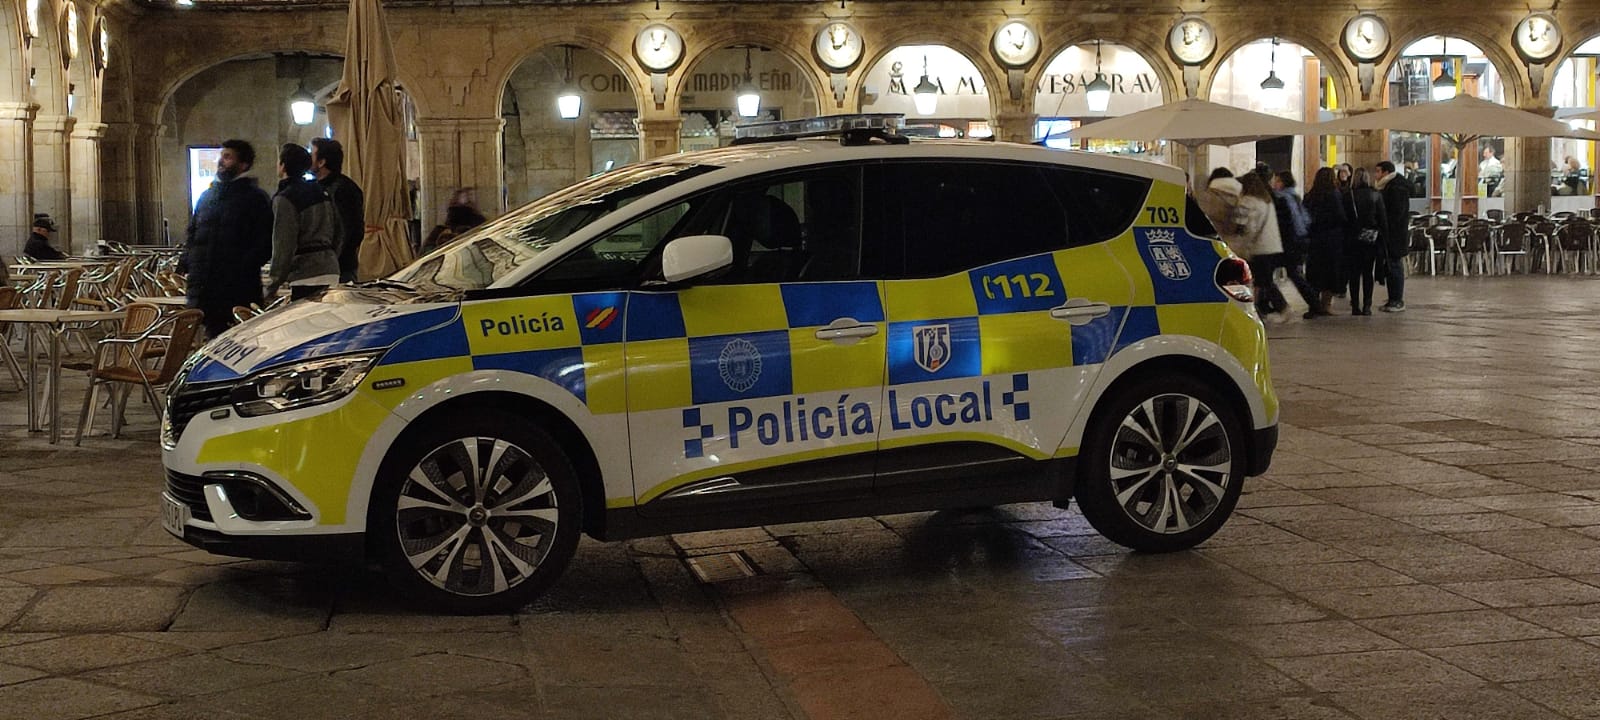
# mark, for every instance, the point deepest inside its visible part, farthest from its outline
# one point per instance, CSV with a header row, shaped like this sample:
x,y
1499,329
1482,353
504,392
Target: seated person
x,y
39,247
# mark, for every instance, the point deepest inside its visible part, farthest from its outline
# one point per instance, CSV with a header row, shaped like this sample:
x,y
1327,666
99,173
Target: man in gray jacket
x,y
305,229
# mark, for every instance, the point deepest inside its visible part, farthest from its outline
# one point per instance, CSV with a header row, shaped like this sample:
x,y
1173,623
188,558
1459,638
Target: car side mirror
x,y
695,256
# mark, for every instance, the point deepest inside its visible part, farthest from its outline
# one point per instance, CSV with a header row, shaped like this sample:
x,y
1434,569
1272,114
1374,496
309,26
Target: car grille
x,y
191,400
189,490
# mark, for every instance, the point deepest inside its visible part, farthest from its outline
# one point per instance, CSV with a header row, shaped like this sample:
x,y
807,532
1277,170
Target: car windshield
x,y
491,252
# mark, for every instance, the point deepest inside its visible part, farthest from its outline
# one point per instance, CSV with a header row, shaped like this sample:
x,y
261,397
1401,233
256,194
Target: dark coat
x,y
1397,210
1329,222
350,203
39,248
1370,210
229,239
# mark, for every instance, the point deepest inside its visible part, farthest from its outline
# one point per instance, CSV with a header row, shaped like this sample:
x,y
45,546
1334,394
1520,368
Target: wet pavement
x,y
1426,545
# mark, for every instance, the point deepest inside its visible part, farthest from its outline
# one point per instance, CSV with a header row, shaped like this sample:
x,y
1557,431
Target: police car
x,y
791,328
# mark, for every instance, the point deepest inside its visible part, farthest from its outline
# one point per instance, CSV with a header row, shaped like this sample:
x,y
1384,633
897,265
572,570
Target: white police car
x,y
784,330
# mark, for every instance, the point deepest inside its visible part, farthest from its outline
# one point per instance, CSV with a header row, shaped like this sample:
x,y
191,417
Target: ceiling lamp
x,y
1098,91
302,105
1273,95
926,94
568,101
1444,86
748,99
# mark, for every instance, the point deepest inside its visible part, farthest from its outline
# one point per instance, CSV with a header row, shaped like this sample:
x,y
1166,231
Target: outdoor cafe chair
x,y
1475,244
1418,250
1495,216
1542,240
1442,247
1511,246
9,299
1575,245
121,360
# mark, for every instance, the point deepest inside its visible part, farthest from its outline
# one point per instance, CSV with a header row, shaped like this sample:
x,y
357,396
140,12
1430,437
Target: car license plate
x,y
174,515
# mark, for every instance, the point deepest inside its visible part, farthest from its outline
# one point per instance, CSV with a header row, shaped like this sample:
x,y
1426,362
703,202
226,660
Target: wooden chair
x,y
121,360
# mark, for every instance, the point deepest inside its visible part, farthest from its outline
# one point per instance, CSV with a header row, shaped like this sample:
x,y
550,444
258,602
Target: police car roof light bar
x,y
850,129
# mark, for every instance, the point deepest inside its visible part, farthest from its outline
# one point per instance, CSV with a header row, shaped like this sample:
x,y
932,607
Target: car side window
x,y
795,227
955,216
617,260
1100,205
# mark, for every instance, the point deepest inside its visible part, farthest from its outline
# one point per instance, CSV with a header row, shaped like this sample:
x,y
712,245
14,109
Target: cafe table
x,y
164,301
55,323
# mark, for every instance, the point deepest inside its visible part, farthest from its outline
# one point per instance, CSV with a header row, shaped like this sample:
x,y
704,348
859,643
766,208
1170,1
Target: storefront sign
x,y
891,83
1134,84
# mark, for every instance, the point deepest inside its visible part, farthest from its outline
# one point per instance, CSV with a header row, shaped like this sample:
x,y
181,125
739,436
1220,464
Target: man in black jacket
x,y
39,247
327,161
1396,231
229,239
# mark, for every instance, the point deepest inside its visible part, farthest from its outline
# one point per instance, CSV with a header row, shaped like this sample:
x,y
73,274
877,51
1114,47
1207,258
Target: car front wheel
x,y
1162,465
479,514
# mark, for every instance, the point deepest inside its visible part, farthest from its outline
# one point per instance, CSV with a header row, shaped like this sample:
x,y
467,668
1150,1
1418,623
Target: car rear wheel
x,y
1162,465
480,513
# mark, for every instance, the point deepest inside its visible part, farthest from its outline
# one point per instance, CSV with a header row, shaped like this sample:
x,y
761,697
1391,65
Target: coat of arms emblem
x,y
932,346
1164,252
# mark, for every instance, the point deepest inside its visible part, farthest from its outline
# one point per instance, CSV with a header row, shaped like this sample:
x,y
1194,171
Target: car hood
x,y
341,321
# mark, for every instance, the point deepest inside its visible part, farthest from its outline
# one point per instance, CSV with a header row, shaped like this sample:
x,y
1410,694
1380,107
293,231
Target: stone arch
x,y
175,78
639,82
82,77
1514,82
1330,57
784,46
46,78
975,52
13,57
1151,51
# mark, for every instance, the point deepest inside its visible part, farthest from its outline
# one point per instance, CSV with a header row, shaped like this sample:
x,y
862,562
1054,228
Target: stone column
x,y
1527,168
52,179
86,188
1016,126
119,203
458,153
16,176
1366,148
658,136
148,207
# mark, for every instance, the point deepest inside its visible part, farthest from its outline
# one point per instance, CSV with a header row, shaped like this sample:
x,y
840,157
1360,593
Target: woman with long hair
x,y
1325,258
1260,241
1362,251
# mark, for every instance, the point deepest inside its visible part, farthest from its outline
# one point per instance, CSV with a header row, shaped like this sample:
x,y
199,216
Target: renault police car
x,y
791,328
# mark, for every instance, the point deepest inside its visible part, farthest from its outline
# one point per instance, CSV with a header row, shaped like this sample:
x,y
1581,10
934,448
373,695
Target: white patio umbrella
x,y
1590,114
1191,123
1459,120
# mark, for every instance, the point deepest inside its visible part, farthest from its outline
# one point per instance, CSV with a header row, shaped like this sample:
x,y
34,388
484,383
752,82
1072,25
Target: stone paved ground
x,y
1426,545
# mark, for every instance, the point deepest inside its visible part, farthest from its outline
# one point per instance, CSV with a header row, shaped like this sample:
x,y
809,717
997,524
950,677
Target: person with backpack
x,y
1294,226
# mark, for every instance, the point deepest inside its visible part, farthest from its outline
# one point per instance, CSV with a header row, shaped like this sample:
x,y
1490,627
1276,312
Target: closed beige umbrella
x,y
365,110
1191,123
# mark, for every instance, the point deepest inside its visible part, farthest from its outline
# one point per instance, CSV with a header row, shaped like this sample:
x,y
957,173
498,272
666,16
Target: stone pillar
x,y
86,188
1016,127
458,153
52,174
1527,168
658,136
119,205
1366,148
148,211
16,176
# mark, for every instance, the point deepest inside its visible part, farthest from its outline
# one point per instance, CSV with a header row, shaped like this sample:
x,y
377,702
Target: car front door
x,y
762,385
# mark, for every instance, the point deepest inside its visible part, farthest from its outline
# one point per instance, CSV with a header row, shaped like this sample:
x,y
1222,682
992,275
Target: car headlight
x,y
301,385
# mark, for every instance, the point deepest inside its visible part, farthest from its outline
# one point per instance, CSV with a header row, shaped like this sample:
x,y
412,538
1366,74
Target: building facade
x,y
105,106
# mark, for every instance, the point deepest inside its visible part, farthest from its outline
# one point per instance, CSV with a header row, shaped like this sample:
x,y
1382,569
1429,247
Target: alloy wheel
x,y
1171,463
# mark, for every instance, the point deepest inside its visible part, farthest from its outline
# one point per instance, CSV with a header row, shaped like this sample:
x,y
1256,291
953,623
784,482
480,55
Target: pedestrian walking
x,y
327,163
305,229
1361,253
1294,226
1259,241
1325,256
228,239
1396,191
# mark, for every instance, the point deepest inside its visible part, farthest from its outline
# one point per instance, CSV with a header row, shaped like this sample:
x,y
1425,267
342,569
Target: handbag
x,y
1368,236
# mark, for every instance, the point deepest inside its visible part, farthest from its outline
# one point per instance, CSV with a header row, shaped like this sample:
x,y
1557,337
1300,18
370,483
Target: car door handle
x,y
1079,311
846,329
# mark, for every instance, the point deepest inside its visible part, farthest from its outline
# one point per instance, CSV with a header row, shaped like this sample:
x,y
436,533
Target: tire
x,y
1136,490
474,547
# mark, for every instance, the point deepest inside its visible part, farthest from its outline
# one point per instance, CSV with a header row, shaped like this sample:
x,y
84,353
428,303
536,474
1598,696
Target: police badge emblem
x,y
739,364
1164,252
932,346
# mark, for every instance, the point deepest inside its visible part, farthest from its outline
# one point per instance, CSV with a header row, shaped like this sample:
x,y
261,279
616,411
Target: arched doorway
x,y
959,105
713,85
246,98
1062,100
1439,67
1573,91
544,151
1247,79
